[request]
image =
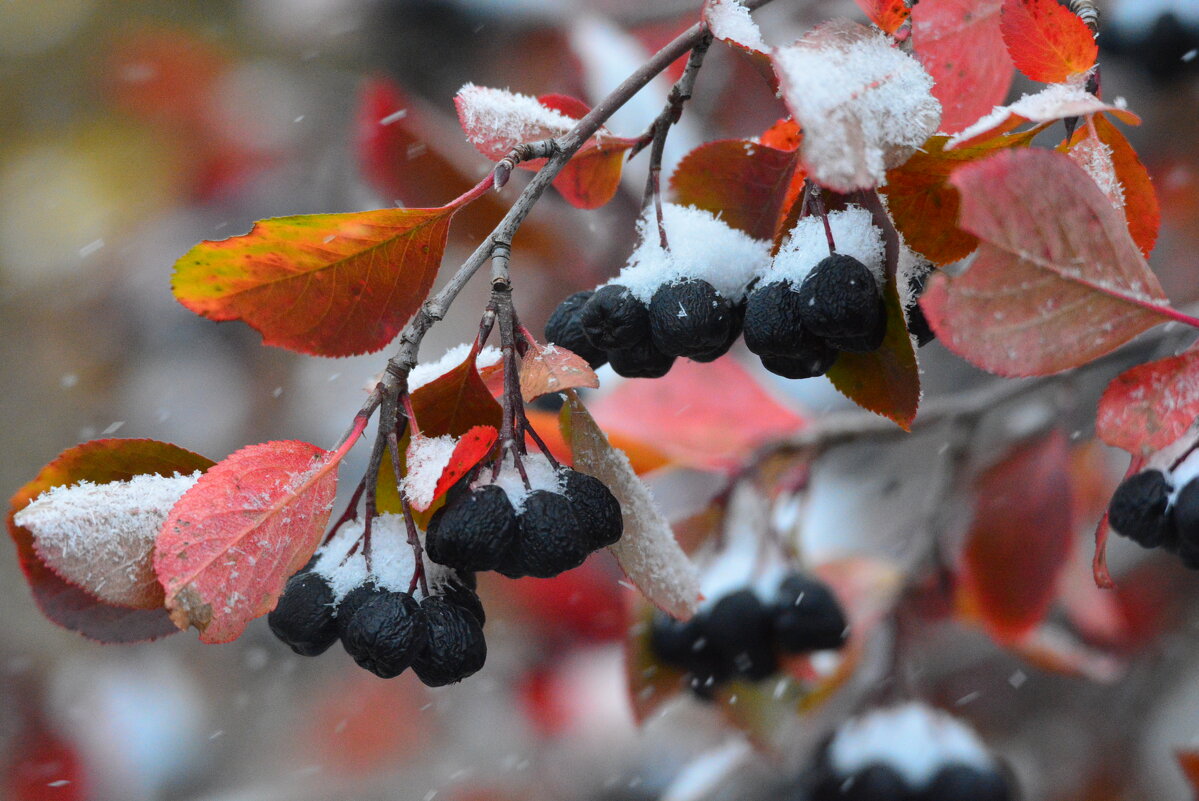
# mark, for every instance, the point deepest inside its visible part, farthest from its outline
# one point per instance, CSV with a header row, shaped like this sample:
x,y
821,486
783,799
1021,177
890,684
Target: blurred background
x,y
132,129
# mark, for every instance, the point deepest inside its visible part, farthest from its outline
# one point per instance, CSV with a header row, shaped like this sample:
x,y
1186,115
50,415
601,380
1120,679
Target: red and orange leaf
x,y
470,450
692,422
247,525
1056,282
1146,408
924,205
546,369
783,135
643,456
959,43
456,402
1054,102
1188,761
590,179
885,381
1047,42
100,462
889,15
749,185
321,284
1019,540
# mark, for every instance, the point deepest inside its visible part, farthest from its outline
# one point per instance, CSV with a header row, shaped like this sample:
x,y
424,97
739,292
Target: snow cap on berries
x,y
806,246
542,476
701,246
392,561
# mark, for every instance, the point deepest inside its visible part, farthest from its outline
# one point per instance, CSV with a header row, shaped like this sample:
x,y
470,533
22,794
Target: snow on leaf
x,y
647,553
233,540
924,204
1149,406
321,284
456,401
1056,282
886,14
496,120
885,381
681,414
99,462
1019,540
1047,42
100,537
959,43
864,105
546,369
730,22
750,185
1096,160
433,464
1055,102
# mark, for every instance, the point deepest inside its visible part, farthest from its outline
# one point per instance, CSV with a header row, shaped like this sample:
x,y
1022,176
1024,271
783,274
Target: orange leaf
x,y
1047,41
1019,539
100,462
1056,282
322,284
886,14
247,525
1188,760
959,43
592,176
885,381
1146,408
1055,102
546,369
456,402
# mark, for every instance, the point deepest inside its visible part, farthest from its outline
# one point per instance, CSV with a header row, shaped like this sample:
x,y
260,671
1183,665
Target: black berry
x,y
565,328
807,616
455,647
466,598
385,633
872,783
689,317
473,530
816,359
967,783
613,318
640,360
597,509
304,619
724,347
1186,522
841,302
773,321
1139,509
689,646
740,629
549,539
349,604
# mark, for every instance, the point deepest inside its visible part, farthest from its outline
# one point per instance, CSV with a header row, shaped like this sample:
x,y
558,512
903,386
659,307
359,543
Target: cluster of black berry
x,y
554,524
1159,510
741,636
910,752
440,636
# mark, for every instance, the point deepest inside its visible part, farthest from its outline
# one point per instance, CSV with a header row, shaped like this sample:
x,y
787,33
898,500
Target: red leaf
x,y
43,766
248,524
570,106
1056,102
1047,41
100,462
885,381
1146,408
1138,200
1056,282
590,179
959,43
455,402
1019,539
685,415
886,14
322,284
783,135
470,450
546,369
1188,761
924,205
751,186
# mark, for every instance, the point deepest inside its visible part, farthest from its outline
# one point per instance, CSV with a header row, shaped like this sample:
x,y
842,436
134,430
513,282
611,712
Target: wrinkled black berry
x,y
740,628
1139,509
597,509
841,302
773,324
724,347
385,633
807,616
304,619
816,359
873,783
350,603
466,598
641,360
455,647
689,317
917,323
565,328
549,539
1186,523
613,319
472,531
967,783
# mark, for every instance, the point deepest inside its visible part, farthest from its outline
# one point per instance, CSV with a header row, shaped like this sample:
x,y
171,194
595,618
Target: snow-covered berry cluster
x,y
385,623
911,752
1160,509
538,520
742,633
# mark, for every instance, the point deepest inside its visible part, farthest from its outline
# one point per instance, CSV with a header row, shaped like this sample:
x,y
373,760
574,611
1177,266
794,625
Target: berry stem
x,y
815,200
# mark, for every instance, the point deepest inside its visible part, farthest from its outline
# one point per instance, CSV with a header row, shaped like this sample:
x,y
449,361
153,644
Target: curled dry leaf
x,y
864,105
647,553
546,369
